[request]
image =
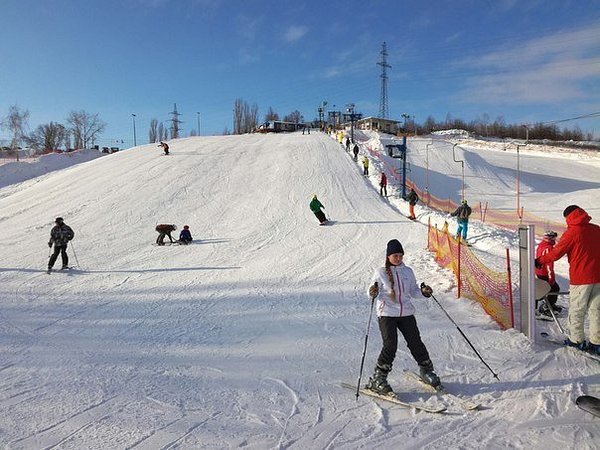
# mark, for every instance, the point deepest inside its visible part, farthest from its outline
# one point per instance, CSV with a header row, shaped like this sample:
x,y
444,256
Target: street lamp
x,y
198,117
134,137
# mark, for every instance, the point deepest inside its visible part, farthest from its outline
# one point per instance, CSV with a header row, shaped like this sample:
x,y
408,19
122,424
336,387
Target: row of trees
x,y
80,131
500,129
245,117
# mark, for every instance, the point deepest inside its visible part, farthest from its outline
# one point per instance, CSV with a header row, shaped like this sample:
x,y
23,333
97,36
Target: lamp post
x,y
198,118
134,137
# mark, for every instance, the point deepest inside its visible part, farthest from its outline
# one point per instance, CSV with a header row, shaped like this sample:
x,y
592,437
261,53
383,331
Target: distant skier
x,y
185,237
365,166
355,151
60,235
397,284
163,230
462,213
315,207
383,185
347,144
546,273
581,244
165,147
412,199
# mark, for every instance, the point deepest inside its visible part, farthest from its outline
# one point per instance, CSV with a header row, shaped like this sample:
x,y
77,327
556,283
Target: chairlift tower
x,y
383,97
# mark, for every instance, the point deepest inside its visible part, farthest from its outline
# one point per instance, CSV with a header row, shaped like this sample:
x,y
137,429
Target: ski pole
x,y
75,254
463,335
549,306
362,361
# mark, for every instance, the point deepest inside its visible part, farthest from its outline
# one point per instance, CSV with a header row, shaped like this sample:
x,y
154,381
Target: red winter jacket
x,y
547,269
581,244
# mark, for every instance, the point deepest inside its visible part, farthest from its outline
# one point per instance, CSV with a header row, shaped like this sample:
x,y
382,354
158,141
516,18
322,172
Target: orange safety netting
x,y
475,281
508,220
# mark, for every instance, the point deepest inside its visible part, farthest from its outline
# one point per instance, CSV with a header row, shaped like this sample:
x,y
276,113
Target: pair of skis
x,y
62,269
393,398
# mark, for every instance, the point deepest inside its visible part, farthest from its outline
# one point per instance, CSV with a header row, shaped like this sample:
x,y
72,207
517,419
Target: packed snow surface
x,y
241,339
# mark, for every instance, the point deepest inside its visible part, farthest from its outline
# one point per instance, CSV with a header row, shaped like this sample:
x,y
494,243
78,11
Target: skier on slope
x,y
365,165
315,207
355,151
347,144
546,273
165,147
60,235
412,199
164,229
581,244
462,213
397,284
383,185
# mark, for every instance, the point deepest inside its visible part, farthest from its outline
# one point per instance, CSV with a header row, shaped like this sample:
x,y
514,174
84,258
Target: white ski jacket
x,y
405,287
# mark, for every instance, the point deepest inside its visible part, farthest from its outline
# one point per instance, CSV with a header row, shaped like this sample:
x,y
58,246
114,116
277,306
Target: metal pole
x,y
134,137
198,117
462,163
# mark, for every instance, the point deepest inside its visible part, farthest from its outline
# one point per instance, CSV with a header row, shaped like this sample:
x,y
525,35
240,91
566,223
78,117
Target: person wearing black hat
x,y
581,244
394,285
60,235
546,273
462,214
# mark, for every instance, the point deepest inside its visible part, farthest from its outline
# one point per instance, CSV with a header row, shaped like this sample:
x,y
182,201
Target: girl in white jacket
x,y
394,285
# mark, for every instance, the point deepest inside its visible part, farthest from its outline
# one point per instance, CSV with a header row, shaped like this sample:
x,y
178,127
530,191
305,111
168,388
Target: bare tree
x,y
153,131
48,137
271,115
85,128
294,117
16,122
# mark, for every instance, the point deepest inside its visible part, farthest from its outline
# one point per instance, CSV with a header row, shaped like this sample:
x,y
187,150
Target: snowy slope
x,y
242,338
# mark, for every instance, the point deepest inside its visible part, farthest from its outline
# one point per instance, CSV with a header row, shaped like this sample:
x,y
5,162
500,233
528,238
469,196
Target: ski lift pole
x,y
463,335
362,361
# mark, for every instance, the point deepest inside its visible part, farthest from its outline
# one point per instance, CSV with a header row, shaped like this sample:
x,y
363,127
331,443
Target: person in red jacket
x,y
383,185
546,273
581,244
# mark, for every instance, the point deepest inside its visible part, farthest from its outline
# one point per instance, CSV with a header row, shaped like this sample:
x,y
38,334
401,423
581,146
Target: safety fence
x,y
509,220
491,289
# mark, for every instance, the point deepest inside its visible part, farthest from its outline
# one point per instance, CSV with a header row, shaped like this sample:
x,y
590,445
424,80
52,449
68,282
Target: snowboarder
x,y
581,244
165,147
185,237
397,284
462,213
383,185
163,230
546,273
412,199
355,151
365,166
315,207
60,235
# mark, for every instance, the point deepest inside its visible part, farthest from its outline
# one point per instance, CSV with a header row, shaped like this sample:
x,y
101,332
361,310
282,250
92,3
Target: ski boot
x,y
428,375
580,345
544,311
594,349
378,382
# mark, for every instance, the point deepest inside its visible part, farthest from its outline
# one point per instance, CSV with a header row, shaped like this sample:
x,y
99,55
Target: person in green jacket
x,y
315,207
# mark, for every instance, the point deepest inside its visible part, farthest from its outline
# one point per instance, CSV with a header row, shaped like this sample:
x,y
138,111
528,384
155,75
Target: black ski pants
x,y
407,325
62,249
161,237
552,298
321,216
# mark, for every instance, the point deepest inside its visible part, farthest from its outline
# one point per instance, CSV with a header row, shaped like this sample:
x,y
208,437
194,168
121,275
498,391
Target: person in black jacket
x,y
462,213
185,237
412,199
164,229
60,235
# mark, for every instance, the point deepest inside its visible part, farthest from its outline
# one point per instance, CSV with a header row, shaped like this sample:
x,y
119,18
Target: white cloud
x,y
295,33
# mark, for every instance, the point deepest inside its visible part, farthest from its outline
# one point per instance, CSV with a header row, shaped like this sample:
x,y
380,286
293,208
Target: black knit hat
x,y
569,209
58,220
394,246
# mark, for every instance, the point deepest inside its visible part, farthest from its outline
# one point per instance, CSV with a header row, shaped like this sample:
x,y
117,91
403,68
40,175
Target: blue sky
x,y
526,61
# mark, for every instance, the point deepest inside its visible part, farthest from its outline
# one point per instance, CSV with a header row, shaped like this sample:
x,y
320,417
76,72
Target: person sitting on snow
x,y
185,237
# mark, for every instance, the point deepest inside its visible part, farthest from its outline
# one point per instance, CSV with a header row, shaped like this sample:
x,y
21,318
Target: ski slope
x,y
241,339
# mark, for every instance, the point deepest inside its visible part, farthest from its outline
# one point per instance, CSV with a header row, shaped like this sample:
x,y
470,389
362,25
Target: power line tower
x,y
383,97
175,122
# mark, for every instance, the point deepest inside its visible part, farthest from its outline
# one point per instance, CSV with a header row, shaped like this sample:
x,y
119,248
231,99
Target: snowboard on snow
x,y
589,404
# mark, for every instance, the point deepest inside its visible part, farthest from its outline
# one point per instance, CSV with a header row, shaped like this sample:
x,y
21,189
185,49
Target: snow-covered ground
x,y
241,339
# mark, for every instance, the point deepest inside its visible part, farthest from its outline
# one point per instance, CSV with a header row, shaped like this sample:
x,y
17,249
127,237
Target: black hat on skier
x,y
394,246
569,209
58,220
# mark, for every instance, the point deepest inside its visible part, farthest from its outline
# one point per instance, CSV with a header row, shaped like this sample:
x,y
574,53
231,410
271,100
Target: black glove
x,y
374,290
50,244
426,290
537,263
